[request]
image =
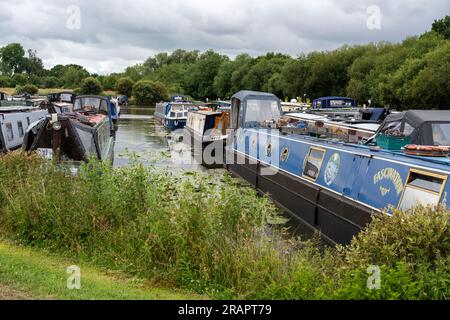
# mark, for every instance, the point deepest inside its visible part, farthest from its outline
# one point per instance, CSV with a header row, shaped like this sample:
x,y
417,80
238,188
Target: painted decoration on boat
x,y
332,169
388,174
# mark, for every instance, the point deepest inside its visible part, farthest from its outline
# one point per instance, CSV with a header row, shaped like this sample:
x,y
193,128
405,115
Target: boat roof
x,y
333,97
246,94
92,96
438,163
207,112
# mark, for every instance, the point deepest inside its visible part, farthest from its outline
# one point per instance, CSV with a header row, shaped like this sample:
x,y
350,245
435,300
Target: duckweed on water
x,y
210,236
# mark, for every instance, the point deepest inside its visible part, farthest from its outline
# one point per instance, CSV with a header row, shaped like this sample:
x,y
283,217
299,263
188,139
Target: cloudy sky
x,y
106,36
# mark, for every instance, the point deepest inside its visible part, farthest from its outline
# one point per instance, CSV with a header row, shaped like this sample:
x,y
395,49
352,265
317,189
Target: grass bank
x,y
38,274
212,237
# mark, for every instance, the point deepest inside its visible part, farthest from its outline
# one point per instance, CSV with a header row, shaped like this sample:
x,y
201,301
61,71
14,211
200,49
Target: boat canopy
x,y
422,127
252,108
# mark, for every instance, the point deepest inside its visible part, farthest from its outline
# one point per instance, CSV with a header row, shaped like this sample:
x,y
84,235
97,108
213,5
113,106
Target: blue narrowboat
x,y
334,187
173,114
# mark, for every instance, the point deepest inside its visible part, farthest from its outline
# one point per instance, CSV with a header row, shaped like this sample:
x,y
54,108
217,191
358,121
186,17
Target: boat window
x,y
20,126
9,131
28,121
441,134
422,188
90,104
408,130
259,111
313,163
341,103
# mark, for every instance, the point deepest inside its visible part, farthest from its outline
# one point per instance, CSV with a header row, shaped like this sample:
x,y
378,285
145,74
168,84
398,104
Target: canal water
x,y
141,138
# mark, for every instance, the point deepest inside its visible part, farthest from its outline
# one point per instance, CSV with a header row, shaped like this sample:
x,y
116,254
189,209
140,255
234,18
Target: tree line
x,y
413,74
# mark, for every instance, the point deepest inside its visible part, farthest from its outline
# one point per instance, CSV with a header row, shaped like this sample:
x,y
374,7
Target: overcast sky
x,y
111,35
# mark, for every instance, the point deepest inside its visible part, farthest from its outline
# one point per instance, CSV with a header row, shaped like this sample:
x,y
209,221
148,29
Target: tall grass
x,y
211,236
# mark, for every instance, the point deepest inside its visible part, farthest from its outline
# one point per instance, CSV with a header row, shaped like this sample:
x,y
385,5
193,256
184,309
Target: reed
x,y
212,236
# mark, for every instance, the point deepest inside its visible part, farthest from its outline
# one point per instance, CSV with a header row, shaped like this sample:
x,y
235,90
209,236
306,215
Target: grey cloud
x,y
118,33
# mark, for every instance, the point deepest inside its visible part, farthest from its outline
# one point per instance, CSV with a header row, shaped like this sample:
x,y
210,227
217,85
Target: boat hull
x,y
173,124
337,218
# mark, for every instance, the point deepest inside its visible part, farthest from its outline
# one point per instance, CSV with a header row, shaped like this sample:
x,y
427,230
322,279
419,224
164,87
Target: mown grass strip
x,y
38,274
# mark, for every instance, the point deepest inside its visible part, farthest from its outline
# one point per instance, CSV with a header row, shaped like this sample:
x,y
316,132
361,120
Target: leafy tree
x,y
199,80
12,59
91,85
73,76
146,92
442,27
125,86
33,64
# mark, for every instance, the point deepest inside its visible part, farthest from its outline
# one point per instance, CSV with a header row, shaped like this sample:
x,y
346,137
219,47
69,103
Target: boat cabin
x,y
64,96
75,136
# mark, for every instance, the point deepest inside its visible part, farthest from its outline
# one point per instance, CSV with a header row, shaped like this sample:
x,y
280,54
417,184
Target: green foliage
x,y
19,79
28,88
209,236
124,86
108,82
91,85
51,82
5,82
442,27
146,92
12,59
73,76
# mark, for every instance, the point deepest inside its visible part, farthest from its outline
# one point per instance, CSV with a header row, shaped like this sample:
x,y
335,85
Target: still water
x,y
141,138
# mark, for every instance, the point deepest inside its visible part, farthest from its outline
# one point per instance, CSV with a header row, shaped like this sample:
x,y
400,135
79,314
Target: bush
x,y
91,85
19,79
147,92
5,82
28,88
51,82
211,237
125,86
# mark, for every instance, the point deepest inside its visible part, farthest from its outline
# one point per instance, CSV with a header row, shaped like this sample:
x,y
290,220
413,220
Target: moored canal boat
x,y
14,121
74,137
173,115
332,187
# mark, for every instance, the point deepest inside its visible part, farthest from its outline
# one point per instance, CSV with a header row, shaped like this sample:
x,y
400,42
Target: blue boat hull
x,y
172,124
351,184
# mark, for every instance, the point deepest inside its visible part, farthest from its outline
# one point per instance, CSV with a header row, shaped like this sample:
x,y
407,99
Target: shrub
x,y
91,85
5,82
147,92
28,88
125,86
51,82
19,79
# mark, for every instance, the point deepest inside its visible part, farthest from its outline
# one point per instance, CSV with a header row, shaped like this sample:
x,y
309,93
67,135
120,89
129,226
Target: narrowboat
x,y
14,121
75,137
329,186
2,96
173,115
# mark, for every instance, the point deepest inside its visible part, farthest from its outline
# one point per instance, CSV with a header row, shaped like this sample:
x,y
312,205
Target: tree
x,y
442,27
125,86
146,92
199,80
73,75
91,85
33,64
51,82
12,59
